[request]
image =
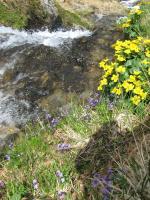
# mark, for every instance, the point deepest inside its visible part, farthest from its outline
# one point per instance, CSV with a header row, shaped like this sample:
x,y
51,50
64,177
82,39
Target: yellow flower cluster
x,y
128,47
136,10
126,24
123,79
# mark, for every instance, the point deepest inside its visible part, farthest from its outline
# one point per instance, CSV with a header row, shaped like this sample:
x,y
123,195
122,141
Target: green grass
x,y
145,21
35,155
12,18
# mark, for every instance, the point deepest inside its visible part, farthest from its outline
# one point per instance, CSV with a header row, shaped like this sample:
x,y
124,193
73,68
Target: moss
x,y
12,18
69,18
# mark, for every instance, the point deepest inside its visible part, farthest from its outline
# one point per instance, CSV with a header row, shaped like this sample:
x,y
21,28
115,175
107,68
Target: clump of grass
x,y
13,18
132,177
145,21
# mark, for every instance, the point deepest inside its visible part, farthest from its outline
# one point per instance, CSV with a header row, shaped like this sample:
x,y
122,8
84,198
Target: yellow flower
x,y
120,69
126,25
115,78
136,99
136,73
147,41
137,83
138,12
143,95
120,58
147,53
103,62
127,51
117,91
145,62
104,81
132,78
100,87
140,38
127,86
138,90
109,71
134,47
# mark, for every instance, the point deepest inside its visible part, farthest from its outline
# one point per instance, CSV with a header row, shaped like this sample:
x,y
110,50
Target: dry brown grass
x,y
108,7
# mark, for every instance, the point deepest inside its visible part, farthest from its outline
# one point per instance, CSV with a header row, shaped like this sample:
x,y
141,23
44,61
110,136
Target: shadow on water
x,y
98,155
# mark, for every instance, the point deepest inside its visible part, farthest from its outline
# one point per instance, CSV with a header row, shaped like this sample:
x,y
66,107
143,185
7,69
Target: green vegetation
x,y
99,150
13,18
129,73
145,21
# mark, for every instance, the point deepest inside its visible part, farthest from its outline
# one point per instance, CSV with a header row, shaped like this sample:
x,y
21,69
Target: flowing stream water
x,y
16,69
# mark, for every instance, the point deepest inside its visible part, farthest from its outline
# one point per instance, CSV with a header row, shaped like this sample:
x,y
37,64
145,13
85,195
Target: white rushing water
x,y
130,3
11,38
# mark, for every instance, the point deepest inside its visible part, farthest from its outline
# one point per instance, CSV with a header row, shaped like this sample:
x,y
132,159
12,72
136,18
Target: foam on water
x,y
10,37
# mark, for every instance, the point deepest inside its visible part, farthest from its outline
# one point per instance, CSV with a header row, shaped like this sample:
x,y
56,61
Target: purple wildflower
x,y
54,122
35,184
61,195
2,184
63,146
48,116
105,193
92,102
59,174
97,175
110,105
7,157
11,145
95,182
97,94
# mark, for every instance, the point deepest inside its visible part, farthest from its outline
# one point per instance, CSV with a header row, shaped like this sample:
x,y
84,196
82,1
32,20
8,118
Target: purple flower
x,y
63,146
11,145
59,174
48,116
7,157
2,184
97,94
105,193
35,184
54,122
110,105
92,102
95,182
61,195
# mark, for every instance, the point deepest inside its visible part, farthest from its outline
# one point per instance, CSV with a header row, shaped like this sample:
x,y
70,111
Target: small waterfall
x,y
11,38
